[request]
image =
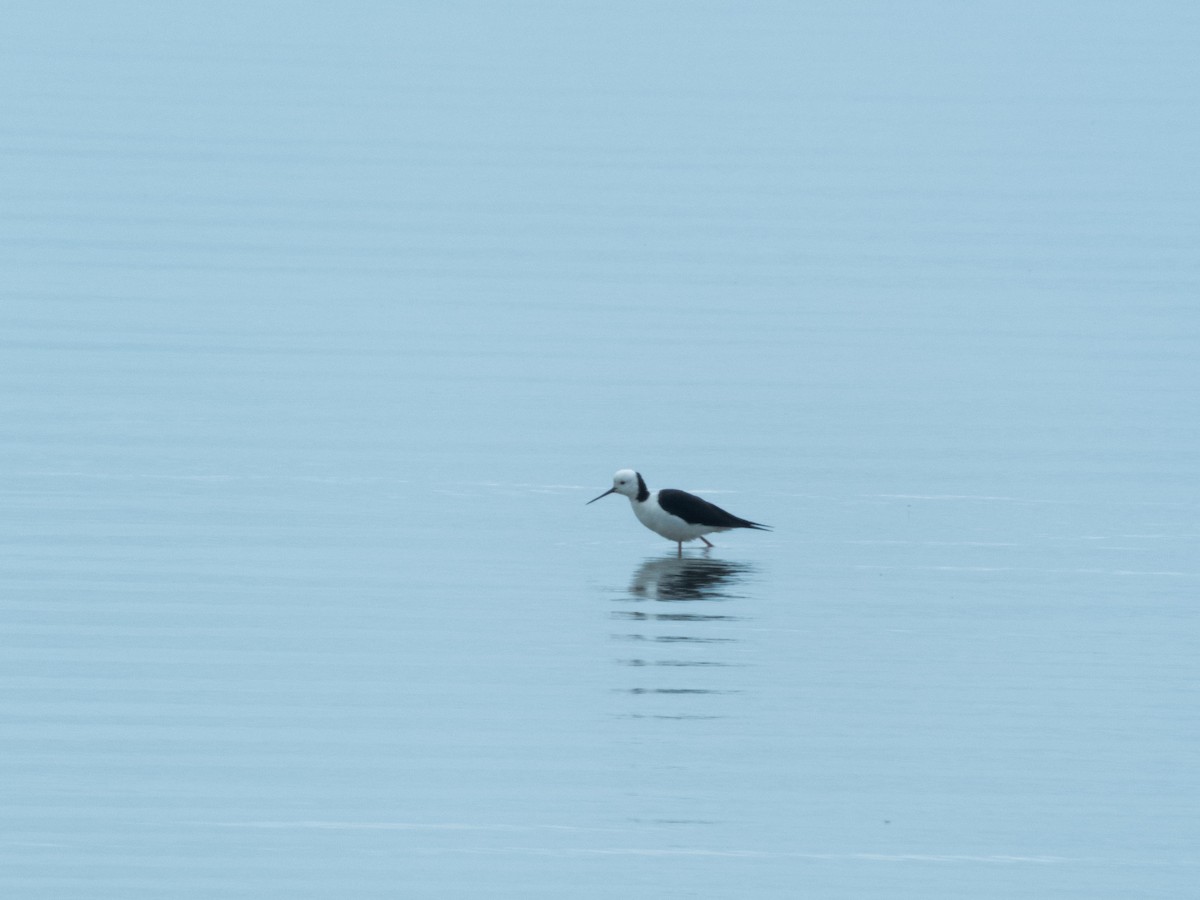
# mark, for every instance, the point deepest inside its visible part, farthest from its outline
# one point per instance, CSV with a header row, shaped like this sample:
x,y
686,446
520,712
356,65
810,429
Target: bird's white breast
x,y
671,527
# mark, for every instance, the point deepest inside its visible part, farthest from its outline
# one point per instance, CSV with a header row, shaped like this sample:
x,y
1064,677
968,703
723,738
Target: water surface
x,y
320,329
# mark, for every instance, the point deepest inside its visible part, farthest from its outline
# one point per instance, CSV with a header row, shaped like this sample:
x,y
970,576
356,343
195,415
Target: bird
x,y
676,515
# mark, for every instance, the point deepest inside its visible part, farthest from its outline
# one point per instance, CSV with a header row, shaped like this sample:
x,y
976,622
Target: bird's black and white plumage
x,y
676,515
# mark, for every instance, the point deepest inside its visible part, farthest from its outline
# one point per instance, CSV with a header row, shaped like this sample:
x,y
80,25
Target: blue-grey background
x,y
319,324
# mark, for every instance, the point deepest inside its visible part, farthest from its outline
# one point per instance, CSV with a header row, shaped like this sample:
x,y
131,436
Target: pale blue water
x,y
320,326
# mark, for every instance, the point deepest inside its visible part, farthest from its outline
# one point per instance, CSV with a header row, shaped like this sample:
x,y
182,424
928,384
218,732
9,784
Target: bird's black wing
x,y
698,511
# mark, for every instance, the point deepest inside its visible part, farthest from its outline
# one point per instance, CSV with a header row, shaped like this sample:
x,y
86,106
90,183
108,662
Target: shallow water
x,y
320,332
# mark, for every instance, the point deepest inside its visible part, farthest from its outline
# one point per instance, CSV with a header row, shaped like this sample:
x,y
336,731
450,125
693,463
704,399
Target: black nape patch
x,y
642,495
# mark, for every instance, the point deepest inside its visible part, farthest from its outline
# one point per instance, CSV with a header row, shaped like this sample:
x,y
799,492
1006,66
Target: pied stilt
x,y
676,515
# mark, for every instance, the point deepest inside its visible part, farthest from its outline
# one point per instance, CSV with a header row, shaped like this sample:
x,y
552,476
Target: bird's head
x,y
624,482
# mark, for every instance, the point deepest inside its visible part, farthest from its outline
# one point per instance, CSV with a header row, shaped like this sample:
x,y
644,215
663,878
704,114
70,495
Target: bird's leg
x,y
706,541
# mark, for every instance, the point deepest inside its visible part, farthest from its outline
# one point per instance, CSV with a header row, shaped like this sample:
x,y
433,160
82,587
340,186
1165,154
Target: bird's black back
x,y
698,511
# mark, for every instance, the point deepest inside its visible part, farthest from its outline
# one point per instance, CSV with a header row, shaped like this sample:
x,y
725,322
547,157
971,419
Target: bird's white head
x,y
626,482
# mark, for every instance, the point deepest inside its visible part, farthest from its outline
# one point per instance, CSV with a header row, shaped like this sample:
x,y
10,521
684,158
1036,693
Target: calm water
x,y
319,331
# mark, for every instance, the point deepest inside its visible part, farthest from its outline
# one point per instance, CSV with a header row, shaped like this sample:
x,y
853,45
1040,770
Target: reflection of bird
x,y
676,515
686,579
